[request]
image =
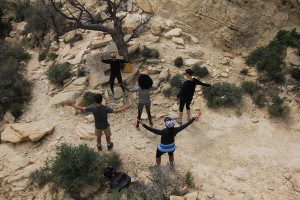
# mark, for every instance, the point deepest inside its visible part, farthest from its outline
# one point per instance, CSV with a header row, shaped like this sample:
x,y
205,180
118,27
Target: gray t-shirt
x,y
144,95
100,115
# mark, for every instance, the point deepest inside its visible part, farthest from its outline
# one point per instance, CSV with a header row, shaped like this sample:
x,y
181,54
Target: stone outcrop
x,y
85,131
19,132
71,92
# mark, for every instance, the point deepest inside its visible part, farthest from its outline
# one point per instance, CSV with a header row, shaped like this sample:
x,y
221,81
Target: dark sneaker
x,y
179,122
99,147
110,146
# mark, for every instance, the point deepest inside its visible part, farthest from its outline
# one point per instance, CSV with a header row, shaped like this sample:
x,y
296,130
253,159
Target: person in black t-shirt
x,y
186,94
115,69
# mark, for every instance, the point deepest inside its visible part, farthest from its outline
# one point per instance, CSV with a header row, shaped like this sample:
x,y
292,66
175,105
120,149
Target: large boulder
x,y
95,44
70,93
145,5
176,32
296,182
292,57
85,131
32,131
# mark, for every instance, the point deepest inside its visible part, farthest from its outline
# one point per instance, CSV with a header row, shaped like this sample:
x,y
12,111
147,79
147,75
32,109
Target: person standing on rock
x,y
115,69
167,141
186,94
100,112
144,89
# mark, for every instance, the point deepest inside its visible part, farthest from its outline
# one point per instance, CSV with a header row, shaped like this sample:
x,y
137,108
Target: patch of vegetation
x,y
75,167
200,71
222,94
244,71
25,56
52,56
117,195
260,100
250,87
176,81
278,109
57,73
19,8
77,37
269,59
295,73
170,91
88,98
178,62
80,72
150,53
42,54
14,89
189,179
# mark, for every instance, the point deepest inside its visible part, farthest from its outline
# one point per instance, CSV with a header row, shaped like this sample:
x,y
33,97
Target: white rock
x,y
292,56
191,62
191,196
195,40
240,173
9,118
296,182
173,33
178,40
176,198
90,118
152,70
21,27
224,74
85,131
96,44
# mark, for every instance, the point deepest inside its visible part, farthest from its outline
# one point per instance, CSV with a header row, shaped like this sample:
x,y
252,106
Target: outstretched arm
x,y
153,130
201,83
196,116
122,86
69,103
121,109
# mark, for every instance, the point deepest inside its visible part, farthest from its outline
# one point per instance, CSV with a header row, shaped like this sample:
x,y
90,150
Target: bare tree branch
x,y
138,30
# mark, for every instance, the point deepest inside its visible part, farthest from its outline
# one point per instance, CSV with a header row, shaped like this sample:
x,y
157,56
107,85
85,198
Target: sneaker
x,y
110,146
178,122
99,147
172,167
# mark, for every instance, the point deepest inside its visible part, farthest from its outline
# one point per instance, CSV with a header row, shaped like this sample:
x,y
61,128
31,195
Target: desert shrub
x,y
36,20
277,108
74,167
42,54
80,72
52,56
1,111
161,185
19,8
88,98
250,87
260,100
189,180
25,56
150,53
117,195
16,110
200,71
170,91
244,71
5,28
77,37
178,62
14,89
40,176
222,94
176,81
57,73
295,73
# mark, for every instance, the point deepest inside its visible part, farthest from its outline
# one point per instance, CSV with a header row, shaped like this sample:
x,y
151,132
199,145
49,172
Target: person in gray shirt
x,y
100,112
145,87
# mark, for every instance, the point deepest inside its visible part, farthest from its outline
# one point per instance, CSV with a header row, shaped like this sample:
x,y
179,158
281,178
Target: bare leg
x,y
171,159
98,139
108,139
188,113
158,160
180,116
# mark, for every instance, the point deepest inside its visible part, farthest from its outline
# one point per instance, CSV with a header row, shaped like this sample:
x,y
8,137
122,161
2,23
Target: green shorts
x,y
106,131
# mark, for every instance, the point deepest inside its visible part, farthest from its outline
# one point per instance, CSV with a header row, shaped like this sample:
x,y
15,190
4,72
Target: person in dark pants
x,y
115,69
144,89
167,141
100,112
186,94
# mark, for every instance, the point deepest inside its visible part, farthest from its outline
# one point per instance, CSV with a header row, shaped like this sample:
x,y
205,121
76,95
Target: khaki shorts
x,y
106,131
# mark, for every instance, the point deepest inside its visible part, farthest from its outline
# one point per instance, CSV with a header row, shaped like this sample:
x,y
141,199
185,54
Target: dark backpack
x,y
118,180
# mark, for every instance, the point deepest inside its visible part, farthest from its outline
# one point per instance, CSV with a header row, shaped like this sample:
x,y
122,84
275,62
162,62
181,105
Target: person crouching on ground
x,y
167,141
144,89
100,112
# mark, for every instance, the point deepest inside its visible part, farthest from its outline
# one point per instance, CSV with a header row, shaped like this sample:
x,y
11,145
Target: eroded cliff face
x,y
228,23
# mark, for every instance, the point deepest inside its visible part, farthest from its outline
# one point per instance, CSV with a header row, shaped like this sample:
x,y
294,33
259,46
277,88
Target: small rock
x,y
184,191
176,198
210,194
139,146
288,176
224,74
9,118
255,120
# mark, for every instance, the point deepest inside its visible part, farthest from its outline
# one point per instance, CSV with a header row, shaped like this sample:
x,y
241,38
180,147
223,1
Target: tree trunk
x,y
118,38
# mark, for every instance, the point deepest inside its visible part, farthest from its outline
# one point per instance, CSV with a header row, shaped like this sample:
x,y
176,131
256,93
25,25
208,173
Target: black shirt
x,y
168,134
115,65
188,89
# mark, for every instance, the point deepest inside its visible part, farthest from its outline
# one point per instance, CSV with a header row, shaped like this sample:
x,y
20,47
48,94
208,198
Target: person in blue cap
x,y
167,142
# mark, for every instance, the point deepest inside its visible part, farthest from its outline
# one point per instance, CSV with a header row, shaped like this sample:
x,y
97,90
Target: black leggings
x,y
183,102
112,80
159,153
140,111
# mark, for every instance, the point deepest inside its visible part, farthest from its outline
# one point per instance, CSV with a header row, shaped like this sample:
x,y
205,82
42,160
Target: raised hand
x,y
69,103
197,115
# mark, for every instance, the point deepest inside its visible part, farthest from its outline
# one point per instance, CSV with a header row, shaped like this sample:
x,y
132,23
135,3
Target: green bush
x,y
1,112
189,180
52,56
5,28
222,94
260,100
36,20
75,167
200,71
42,54
150,53
295,73
40,176
244,71
57,73
170,91
178,62
117,195
14,89
176,81
278,109
88,98
19,8
80,72
250,87
25,56
77,37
